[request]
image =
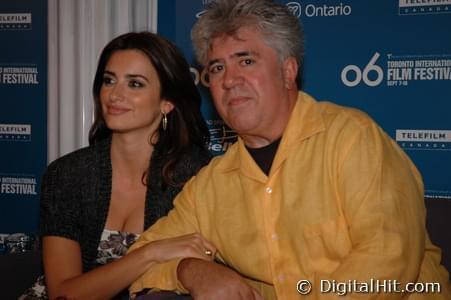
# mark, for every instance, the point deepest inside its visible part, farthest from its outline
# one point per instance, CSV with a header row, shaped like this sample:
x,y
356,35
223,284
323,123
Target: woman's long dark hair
x,y
186,125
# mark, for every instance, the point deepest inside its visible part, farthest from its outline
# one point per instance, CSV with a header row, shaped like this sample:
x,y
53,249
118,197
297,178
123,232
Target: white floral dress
x,y
113,245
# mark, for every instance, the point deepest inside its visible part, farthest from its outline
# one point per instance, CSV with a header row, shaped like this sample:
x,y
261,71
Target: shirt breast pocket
x,y
326,244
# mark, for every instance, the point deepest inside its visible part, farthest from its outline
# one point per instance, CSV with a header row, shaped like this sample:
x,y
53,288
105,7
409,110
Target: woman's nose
x,y
117,93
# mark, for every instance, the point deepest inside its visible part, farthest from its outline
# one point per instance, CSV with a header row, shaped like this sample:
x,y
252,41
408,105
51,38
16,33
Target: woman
x,y
148,138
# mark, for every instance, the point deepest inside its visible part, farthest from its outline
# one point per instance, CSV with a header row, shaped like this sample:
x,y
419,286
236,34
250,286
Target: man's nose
x,y
232,77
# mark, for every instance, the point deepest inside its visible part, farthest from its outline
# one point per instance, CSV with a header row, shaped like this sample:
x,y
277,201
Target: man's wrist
x,y
185,271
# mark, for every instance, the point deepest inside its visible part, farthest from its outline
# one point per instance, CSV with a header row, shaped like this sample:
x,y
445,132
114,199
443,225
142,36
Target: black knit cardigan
x,y
76,192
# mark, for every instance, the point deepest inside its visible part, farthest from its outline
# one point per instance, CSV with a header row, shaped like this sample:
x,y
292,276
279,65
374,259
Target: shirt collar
x,y
305,121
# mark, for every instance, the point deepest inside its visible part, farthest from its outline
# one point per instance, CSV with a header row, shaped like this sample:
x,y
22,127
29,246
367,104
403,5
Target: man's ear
x,y
290,72
166,106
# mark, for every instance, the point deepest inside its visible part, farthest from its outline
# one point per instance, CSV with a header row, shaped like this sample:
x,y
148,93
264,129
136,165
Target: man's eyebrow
x,y
237,54
245,53
212,62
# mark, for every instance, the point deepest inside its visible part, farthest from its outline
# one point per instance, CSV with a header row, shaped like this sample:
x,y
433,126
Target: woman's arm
x,y
63,265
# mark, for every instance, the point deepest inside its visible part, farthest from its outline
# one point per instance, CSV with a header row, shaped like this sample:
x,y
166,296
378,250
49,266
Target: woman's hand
x,y
191,245
65,277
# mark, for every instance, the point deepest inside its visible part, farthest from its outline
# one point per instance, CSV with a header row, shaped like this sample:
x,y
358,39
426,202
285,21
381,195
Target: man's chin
x,y
241,128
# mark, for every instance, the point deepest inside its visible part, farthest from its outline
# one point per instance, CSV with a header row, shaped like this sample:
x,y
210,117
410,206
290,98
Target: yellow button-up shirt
x,y
342,203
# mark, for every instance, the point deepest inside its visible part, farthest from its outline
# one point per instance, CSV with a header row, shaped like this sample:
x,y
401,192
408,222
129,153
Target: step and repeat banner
x,y
391,59
23,111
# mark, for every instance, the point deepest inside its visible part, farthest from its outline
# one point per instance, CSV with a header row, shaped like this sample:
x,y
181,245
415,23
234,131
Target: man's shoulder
x,y
221,163
330,113
339,115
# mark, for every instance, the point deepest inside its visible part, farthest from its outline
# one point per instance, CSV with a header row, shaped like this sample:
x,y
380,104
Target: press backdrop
x,y
23,111
391,59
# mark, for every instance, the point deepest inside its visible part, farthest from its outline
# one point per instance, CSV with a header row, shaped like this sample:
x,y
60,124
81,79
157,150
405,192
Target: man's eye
x,y
216,68
135,84
247,61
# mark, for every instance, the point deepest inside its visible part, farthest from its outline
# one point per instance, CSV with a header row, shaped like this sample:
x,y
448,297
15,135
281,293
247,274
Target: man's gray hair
x,y
281,30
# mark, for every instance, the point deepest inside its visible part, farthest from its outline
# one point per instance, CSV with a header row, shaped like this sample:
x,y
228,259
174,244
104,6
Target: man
x,y
311,190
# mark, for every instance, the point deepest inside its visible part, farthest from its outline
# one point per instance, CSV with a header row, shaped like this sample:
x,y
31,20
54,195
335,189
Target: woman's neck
x,y
130,155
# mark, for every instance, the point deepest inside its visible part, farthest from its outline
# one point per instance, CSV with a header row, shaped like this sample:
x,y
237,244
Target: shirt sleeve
x,y
381,192
59,210
181,220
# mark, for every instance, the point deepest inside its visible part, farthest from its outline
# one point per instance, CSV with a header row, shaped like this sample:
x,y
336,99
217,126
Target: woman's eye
x,y
107,80
135,84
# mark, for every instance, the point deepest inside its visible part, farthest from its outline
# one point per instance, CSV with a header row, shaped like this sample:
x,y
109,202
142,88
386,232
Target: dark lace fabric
x,y
113,245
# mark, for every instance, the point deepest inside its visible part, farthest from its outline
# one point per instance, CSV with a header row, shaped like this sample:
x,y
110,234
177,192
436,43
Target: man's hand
x,y
190,245
208,280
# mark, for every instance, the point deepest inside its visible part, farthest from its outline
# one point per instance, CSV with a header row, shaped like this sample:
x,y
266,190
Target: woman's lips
x,y
117,110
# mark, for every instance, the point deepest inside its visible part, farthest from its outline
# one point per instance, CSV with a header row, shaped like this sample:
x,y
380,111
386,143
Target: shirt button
x,y
274,236
269,190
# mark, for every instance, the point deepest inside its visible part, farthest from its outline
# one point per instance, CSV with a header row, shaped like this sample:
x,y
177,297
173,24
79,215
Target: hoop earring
x,y
164,121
